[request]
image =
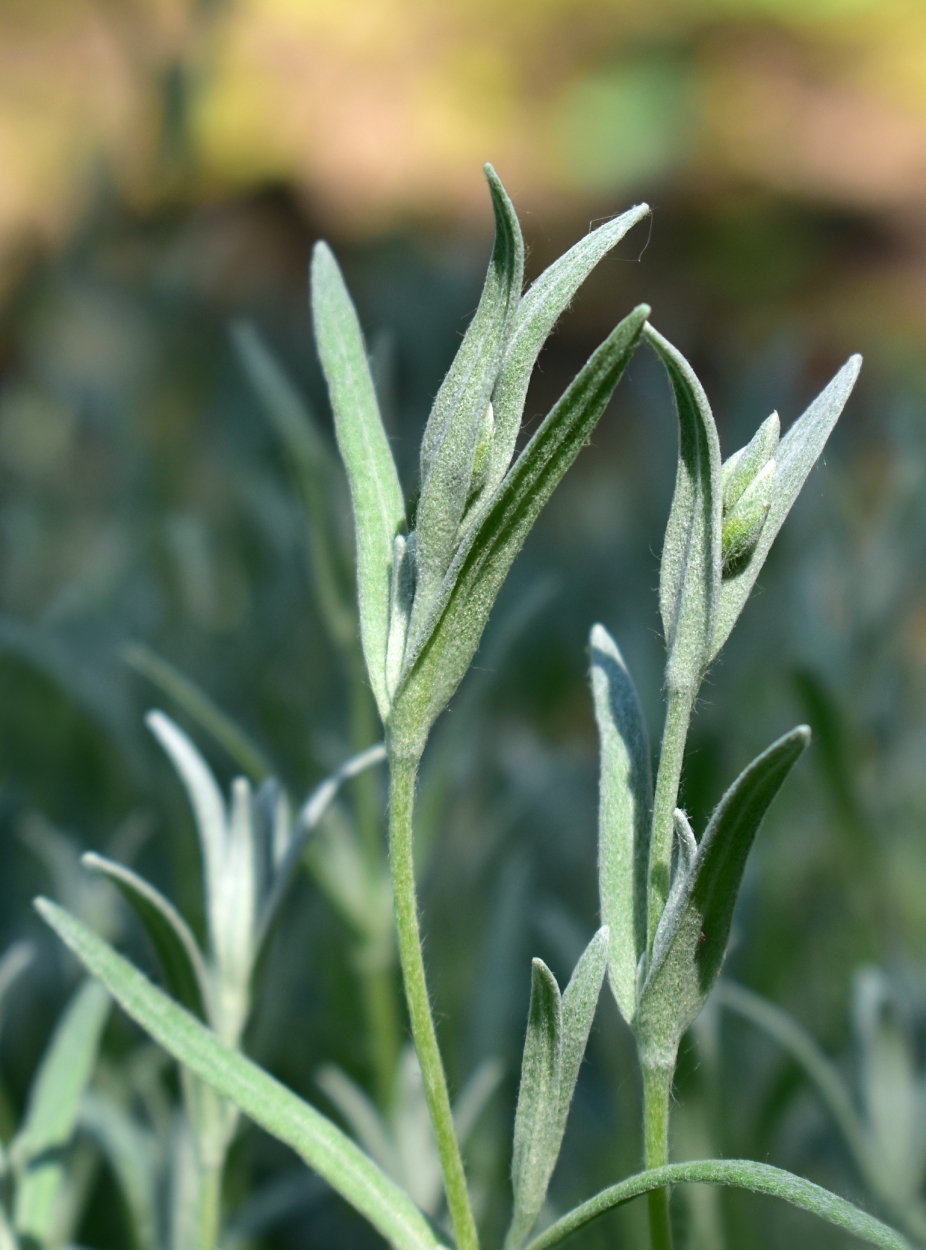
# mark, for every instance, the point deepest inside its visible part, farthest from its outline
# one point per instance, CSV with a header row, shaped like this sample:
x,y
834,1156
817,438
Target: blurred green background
x,y
166,166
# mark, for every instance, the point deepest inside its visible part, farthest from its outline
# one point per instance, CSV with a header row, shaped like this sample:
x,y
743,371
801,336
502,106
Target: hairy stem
x,y
668,779
402,774
657,1088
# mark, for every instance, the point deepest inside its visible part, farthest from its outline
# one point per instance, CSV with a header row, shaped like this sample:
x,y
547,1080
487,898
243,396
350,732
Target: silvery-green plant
x,y
426,585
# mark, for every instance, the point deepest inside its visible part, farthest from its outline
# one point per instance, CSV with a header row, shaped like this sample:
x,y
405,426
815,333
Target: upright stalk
x,y
657,1088
665,801
402,773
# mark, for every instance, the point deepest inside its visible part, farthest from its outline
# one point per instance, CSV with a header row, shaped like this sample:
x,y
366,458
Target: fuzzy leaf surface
x,y
178,955
758,1178
379,508
209,810
691,941
538,312
689,574
580,1001
439,655
796,455
624,812
536,1121
54,1103
268,1103
451,437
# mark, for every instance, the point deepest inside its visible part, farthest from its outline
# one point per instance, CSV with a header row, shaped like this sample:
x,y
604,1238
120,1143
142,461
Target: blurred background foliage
x,y
167,165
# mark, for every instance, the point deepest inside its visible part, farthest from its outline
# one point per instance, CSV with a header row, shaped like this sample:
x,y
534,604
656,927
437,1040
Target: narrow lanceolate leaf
x,y
318,476
54,1102
624,811
538,312
689,576
758,1178
440,653
379,509
580,1000
178,955
456,423
268,1103
796,455
208,808
691,940
536,1121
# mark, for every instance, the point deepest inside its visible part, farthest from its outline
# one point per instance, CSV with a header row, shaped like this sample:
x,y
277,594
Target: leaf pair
x,y
249,853
692,935
724,518
425,597
557,1034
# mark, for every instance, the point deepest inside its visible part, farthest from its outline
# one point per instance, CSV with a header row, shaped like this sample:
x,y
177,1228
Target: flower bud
x,y
741,469
743,524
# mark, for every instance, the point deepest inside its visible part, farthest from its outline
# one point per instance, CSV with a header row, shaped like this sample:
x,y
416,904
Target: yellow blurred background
x,y
382,110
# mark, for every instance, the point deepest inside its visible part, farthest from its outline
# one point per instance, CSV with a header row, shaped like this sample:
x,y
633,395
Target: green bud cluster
x,y
748,480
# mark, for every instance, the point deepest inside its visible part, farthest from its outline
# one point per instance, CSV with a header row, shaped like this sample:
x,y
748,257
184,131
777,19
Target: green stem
x,y
668,779
402,774
657,1089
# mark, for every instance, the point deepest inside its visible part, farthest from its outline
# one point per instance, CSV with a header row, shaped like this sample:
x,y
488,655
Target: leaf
x,y
759,1178
796,455
452,434
536,1119
268,1103
318,476
131,1152
580,1001
379,509
689,575
201,708
439,655
51,1114
210,812
624,814
539,310
179,957
691,940
474,1097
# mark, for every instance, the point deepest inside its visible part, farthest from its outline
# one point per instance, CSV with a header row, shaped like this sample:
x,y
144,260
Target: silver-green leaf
x,y
541,307
458,419
268,1103
796,455
536,1121
624,814
689,576
438,656
379,508
179,957
52,1111
691,940
758,1178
